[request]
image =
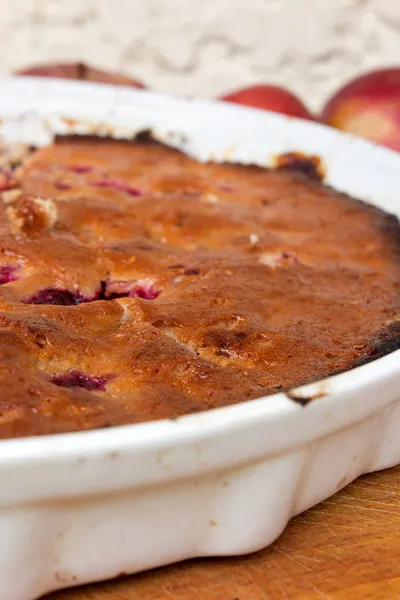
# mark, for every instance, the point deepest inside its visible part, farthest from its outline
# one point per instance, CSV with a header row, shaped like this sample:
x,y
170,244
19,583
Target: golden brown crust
x,y
139,284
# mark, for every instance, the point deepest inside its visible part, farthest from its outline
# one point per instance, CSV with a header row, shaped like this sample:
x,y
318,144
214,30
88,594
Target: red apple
x,y
270,97
79,71
368,106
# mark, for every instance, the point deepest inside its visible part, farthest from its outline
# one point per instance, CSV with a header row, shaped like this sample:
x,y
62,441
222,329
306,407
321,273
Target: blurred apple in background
x,y
81,72
368,106
270,97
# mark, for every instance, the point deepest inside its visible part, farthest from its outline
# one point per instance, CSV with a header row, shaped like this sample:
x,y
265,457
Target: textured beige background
x,y
205,47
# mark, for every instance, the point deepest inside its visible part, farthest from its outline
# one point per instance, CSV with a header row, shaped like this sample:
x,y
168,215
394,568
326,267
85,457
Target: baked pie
x,y
138,283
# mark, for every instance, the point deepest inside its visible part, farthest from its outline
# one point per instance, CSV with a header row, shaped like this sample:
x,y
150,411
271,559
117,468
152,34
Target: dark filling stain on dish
x,y
304,400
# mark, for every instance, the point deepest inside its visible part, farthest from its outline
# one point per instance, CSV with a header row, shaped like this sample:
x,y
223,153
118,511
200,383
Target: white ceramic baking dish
x,y
76,508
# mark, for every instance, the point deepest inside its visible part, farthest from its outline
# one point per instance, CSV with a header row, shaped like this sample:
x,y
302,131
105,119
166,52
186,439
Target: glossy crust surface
x,y
139,284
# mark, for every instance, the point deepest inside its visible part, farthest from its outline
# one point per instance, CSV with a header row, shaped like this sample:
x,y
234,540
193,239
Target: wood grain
x,y
347,548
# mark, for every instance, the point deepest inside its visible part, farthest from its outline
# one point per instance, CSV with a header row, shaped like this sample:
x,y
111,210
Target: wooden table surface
x,y
347,548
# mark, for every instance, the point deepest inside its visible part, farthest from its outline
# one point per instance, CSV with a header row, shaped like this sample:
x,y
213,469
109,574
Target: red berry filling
x,y
7,274
144,288
80,169
55,296
59,185
289,258
7,180
117,184
225,187
280,259
78,379
116,289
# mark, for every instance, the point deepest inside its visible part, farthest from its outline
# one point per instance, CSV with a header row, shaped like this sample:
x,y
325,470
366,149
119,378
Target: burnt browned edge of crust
x,y
384,343
311,168
144,136
294,163
297,163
